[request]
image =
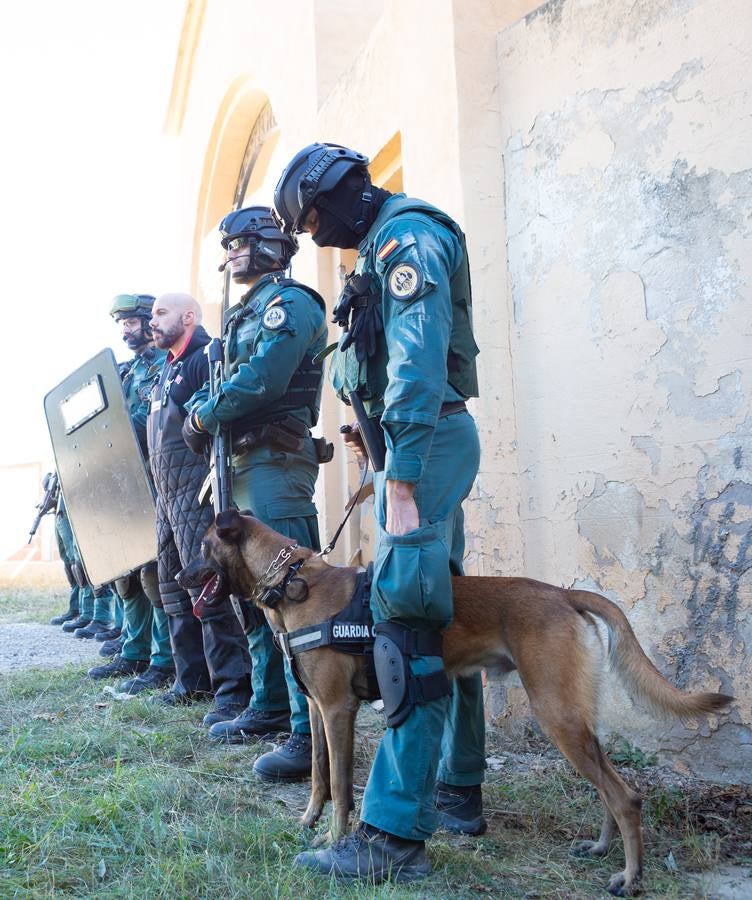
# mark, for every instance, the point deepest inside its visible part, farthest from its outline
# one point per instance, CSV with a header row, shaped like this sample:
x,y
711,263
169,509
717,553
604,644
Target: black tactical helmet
x,y
124,306
315,170
269,248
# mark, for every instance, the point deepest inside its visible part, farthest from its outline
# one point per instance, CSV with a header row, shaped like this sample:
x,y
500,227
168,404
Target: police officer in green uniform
x,y
145,649
94,605
271,400
66,549
409,353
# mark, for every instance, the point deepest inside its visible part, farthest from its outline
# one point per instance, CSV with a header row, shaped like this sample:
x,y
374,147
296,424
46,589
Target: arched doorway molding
x,y
235,160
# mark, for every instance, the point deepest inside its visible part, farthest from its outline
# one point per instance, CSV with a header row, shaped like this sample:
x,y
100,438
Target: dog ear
x,y
229,526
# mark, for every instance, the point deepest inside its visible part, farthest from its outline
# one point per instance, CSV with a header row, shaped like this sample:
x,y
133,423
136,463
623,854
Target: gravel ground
x,y
28,645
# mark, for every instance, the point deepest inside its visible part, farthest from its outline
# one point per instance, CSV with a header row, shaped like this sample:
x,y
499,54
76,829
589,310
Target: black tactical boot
x,y
460,808
64,617
91,630
118,667
224,712
110,648
154,677
290,762
111,634
79,622
251,725
369,854
180,697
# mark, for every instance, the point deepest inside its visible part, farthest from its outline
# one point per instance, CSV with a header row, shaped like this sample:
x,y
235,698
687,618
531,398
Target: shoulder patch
x,y
274,317
404,281
389,247
275,301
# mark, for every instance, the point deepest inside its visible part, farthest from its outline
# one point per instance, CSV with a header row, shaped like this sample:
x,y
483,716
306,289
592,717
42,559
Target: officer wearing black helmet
x,y
407,352
145,641
270,399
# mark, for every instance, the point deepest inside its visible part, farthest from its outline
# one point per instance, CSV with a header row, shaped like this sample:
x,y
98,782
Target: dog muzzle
x,y
210,579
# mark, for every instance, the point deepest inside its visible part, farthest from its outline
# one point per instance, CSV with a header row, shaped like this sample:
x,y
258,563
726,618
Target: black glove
x,y
359,311
196,440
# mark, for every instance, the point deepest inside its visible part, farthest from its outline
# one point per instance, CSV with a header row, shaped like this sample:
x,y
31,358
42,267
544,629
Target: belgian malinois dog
x,y
542,631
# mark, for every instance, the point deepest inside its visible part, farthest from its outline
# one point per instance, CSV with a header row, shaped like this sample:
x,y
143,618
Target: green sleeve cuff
x,y
403,467
205,414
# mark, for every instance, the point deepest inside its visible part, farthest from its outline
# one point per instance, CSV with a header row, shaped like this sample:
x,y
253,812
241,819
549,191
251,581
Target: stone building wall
x,y
595,153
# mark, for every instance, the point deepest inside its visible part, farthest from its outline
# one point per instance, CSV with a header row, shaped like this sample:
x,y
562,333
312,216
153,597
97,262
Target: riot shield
x,y
103,476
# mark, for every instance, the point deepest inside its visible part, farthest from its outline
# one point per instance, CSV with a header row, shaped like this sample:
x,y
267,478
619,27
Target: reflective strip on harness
x,y
348,631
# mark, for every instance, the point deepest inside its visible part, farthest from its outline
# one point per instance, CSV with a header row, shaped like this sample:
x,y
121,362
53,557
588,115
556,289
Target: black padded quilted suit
x,y
211,654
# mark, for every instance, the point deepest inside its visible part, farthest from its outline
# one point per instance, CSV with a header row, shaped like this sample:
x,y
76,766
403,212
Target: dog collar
x,y
271,595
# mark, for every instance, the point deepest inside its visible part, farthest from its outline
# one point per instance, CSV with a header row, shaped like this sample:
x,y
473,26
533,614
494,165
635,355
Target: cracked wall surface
x,y
627,158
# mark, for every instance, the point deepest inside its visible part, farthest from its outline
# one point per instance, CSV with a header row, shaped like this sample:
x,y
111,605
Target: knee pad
x,y
69,575
126,587
175,602
393,648
150,584
78,574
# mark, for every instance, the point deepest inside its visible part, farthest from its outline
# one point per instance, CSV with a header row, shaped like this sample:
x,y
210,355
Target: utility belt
x,y
288,434
372,431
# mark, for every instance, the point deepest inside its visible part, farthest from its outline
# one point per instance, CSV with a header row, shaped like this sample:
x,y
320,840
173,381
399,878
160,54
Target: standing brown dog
x,y
544,632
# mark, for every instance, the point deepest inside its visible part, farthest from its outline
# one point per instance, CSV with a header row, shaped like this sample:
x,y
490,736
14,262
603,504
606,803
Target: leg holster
x,y
393,648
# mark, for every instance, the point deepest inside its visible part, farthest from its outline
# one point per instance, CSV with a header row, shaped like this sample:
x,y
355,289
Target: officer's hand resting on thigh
x,y
401,508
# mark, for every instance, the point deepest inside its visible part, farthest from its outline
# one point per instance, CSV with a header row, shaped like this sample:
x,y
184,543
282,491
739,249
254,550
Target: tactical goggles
x,y
237,243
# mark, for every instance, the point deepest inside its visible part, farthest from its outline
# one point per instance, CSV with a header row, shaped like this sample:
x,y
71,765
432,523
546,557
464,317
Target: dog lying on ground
x,y
542,631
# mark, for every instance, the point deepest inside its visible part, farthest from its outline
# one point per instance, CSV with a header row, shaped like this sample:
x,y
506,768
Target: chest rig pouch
x,y
358,310
348,631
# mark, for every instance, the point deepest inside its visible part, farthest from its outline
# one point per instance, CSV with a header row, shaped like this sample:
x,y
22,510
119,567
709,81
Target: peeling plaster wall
x,y
627,144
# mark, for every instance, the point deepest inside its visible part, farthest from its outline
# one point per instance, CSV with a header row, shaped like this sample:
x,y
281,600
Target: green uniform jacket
x,y
271,338
413,252
138,375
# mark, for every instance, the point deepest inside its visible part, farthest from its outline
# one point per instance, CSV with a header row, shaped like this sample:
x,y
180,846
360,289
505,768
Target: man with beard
x,y
408,354
270,398
210,654
145,642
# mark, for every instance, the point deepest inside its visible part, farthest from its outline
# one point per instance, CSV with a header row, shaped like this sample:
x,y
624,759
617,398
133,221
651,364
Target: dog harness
x,y
348,631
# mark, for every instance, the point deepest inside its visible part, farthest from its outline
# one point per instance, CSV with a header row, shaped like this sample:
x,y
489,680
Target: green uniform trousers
x,y
278,487
412,586
146,632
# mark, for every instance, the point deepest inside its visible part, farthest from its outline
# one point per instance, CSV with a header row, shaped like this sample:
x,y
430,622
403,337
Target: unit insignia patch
x,y
404,282
274,318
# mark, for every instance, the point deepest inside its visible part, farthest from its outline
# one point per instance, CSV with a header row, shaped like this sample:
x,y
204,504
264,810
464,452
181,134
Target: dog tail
x,y
639,675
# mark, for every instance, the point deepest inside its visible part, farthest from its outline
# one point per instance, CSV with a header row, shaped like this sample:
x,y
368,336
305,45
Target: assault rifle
x,y
220,473
47,503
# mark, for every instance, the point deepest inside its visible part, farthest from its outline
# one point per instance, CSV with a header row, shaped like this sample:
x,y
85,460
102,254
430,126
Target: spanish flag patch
x,y
275,301
388,248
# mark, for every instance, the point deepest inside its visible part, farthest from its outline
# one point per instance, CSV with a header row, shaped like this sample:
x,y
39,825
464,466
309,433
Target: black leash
x,y
330,546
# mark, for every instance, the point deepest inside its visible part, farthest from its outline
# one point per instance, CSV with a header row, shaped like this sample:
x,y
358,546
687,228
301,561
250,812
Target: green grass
x,y
117,800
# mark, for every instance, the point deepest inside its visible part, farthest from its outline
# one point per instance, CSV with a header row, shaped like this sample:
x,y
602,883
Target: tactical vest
x,y
462,372
138,377
304,390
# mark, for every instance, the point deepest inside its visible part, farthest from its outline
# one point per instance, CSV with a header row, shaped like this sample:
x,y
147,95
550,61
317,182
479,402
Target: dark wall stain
x,y
721,553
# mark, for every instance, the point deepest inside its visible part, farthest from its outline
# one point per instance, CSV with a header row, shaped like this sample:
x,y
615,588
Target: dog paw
x,y
588,849
309,819
322,840
619,886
